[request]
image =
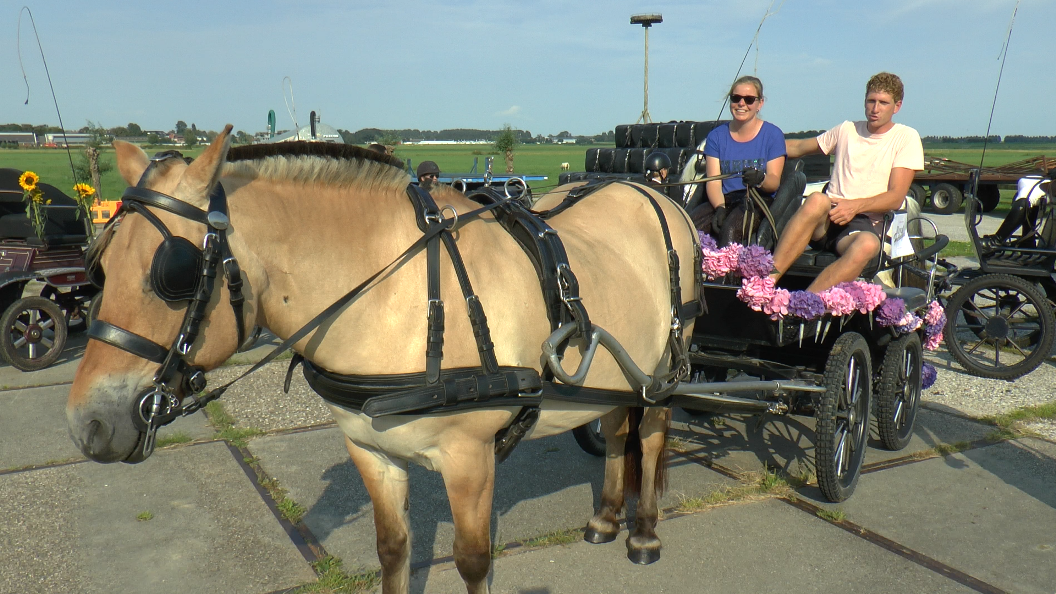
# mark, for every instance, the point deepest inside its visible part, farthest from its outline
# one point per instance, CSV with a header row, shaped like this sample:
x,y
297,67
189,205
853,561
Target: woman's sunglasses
x,y
748,99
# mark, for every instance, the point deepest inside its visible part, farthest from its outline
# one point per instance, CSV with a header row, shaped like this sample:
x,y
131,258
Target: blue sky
x,y
544,66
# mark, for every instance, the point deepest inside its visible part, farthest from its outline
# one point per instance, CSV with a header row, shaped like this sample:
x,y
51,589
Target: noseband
x,y
178,272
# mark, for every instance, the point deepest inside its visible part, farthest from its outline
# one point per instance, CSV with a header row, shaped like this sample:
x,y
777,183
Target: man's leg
x,y
810,222
856,251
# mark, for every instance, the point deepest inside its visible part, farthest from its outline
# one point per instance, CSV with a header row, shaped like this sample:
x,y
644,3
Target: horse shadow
x,y
537,470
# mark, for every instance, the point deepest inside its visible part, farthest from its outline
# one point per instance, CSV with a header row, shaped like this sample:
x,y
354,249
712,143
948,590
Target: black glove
x,y
718,218
753,177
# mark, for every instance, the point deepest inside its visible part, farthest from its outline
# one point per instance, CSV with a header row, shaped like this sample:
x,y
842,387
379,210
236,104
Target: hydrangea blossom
x,y
909,323
837,301
936,315
719,263
778,306
805,305
755,260
707,242
756,292
890,311
932,341
928,375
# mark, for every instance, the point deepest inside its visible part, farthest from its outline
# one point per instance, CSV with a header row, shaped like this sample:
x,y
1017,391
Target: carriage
x,y
44,293
1000,318
840,370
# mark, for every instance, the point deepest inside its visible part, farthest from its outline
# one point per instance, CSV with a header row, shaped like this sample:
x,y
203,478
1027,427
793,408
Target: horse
x,y
302,229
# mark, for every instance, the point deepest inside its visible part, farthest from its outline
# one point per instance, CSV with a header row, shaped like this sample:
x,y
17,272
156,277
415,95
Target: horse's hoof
x,y
643,556
595,537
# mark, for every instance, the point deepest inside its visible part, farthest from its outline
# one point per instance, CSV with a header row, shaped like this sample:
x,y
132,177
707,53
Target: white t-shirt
x,y
863,160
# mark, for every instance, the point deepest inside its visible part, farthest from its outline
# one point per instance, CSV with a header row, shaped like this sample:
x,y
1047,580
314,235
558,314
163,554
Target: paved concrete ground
x,y
194,517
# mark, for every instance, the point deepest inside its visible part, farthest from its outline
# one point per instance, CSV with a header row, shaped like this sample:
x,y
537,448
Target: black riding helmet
x,y
656,161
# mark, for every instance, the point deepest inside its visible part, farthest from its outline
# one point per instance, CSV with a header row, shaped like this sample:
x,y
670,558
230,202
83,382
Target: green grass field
x,y
543,159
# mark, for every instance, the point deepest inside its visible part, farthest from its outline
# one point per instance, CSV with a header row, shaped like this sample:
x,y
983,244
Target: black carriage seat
x,y
787,199
62,227
1035,257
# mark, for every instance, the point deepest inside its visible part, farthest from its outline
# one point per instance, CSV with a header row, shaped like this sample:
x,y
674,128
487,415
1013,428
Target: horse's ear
x,y
203,172
131,161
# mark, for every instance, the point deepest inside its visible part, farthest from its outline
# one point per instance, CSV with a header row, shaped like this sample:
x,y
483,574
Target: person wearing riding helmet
x,y
657,167
745,142
428,173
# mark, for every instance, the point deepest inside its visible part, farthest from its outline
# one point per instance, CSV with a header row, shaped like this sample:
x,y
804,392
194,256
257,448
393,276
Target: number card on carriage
x,y
899,233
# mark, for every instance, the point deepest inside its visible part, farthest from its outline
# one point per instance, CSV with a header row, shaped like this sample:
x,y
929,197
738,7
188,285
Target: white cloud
x,y
512,111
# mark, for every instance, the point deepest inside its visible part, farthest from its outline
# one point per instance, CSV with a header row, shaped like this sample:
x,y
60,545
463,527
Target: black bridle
x,y
175,262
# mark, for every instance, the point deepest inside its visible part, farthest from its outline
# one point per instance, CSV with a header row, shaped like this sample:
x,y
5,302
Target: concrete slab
x,y
33,427
75,529
760,547
62,371
787,442
546,485
990,512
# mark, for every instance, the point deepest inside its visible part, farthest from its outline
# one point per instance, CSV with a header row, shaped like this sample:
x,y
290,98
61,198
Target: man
x,y
874,165
657,166
428,173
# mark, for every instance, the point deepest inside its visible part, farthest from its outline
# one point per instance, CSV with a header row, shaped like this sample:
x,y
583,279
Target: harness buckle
x,y
433,217
454,214
182,346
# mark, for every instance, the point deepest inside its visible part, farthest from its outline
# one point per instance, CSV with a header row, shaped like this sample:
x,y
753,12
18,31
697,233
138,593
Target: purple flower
x,y
890,311
936,316
928,375
805,305
909,323
707,242
754,261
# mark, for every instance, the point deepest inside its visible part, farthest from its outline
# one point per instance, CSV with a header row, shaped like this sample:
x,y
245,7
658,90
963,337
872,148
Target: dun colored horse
x,y
304,229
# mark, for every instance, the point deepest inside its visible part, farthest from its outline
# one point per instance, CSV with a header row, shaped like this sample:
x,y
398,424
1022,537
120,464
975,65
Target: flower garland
x,y
33,196
754,264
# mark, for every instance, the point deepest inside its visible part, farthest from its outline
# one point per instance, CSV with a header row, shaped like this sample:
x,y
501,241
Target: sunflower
x,y
28,181
84,190
37,196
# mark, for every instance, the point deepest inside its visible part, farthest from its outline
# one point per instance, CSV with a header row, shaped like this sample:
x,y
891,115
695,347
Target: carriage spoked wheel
x,y
590,438
898,392
32,333
999,326
73,305
842,416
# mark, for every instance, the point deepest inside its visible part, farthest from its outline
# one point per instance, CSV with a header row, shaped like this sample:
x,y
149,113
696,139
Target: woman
x,y
745,142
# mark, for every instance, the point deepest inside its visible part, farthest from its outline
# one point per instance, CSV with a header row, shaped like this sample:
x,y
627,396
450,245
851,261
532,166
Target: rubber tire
x,y
1042,346
946,198
73,325
837,479
590,438
11,334
918,193
989,197
899,386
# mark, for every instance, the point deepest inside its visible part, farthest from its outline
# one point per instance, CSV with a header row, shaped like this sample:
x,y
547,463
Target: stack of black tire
x,y
634,142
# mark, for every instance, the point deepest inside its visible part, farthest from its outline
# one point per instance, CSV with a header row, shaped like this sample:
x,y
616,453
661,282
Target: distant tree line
x,y
45,129
1017,138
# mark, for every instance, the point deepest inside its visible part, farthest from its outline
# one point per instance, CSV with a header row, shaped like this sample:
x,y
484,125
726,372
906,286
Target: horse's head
x,y
144,359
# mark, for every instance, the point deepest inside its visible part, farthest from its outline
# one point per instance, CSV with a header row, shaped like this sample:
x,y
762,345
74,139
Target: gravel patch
x,y
957,391
258,400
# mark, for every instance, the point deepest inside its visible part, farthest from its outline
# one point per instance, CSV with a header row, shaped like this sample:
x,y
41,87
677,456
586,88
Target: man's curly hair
x,y
885,82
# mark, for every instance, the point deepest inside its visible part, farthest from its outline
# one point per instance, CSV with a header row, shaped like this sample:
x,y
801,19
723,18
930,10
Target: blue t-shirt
x,y
735,157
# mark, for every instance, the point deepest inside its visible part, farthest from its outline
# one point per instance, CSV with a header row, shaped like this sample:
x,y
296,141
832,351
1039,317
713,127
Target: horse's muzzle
x,y
105,433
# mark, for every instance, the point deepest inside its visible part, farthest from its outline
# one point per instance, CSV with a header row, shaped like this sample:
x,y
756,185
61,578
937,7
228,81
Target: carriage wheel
x,y
32,333
590,438
93,309
898,394
72,306
843,417
999,326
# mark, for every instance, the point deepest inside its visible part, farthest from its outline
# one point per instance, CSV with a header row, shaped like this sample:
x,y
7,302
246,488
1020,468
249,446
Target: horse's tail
x,y
632,455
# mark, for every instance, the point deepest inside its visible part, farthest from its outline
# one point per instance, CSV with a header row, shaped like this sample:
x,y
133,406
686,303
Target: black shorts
x,y
836,233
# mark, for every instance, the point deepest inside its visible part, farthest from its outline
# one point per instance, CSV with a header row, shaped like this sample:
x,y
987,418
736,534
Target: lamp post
x,y
646,21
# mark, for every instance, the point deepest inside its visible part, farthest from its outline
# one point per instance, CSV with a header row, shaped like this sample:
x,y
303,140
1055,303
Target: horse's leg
x,y
643,546
604,526
386,481
468,468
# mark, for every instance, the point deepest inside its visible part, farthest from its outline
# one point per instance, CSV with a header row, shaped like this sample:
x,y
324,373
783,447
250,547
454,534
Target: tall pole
x,y
646,21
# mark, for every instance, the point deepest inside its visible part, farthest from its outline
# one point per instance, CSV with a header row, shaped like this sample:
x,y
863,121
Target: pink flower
x,y
718,263
778,306
757,292
909,323
837,301
932,341
873,296
936,316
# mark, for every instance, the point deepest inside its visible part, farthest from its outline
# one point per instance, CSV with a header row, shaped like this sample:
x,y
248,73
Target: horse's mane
x,y
316,162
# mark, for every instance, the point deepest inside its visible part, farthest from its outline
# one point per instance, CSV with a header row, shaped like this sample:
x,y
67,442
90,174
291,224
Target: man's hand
x,y
842,210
